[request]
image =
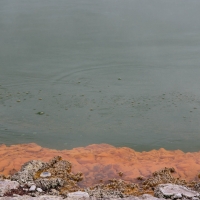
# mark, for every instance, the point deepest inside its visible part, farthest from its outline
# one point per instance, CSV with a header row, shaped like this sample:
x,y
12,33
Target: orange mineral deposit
x,y
102,162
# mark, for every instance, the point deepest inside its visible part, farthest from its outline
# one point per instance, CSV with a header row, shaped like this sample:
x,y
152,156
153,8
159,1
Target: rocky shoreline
x,y
55,180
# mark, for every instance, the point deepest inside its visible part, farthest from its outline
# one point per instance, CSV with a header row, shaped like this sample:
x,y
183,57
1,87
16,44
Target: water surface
x,y
119,72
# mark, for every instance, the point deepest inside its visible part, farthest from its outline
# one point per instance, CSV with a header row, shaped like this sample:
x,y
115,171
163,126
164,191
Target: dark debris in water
x,y
40,113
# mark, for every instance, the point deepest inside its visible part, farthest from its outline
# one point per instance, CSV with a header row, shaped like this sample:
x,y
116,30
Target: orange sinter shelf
x,y
101,162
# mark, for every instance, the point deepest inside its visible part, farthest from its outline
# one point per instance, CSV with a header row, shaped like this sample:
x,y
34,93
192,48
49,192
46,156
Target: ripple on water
x,y
79,106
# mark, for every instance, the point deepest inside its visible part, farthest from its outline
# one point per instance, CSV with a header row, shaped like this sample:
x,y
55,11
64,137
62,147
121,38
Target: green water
x,y
119,72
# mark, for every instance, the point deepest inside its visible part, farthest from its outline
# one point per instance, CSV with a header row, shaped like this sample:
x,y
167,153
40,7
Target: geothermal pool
x,y
124,73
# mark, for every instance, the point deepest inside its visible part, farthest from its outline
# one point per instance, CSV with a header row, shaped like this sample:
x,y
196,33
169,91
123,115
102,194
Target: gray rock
x,y
16,195
47,184
32,188
43,197
99,193
143,197
149,197
116,195
6,185
175,192
30,183
54,192
48,197
195,198
39,190
27,171
78,195
177,196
